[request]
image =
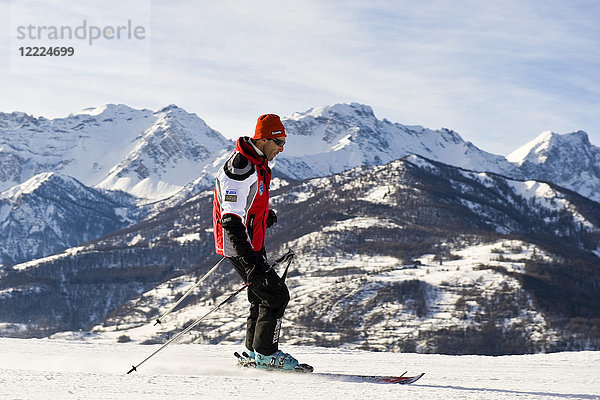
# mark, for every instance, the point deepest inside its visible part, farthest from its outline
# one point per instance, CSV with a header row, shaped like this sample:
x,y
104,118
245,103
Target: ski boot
x,y
277,360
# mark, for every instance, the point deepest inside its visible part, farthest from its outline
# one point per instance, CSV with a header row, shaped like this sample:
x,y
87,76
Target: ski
x,y
244,361
399,380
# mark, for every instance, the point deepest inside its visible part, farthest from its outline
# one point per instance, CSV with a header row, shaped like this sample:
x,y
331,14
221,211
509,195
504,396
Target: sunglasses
x,y
278,142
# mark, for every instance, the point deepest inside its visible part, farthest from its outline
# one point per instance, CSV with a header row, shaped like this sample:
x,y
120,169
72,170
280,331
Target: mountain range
x,y
164,157
105,217
151,155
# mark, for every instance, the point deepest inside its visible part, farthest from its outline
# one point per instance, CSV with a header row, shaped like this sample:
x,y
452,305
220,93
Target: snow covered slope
x,y
50,369
148,154
568,160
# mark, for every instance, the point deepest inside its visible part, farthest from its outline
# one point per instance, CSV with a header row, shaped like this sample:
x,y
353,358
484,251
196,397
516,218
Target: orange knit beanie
x,y
269,126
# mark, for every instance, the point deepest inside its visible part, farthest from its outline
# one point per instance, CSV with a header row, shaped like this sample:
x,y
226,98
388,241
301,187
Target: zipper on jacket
x,y
250,225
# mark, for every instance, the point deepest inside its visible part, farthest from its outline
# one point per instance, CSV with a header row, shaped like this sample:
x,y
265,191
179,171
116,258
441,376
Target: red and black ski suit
x,y
240,210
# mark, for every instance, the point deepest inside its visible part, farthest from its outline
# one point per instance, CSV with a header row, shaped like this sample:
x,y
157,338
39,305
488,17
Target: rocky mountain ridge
x,y
51,212
328,140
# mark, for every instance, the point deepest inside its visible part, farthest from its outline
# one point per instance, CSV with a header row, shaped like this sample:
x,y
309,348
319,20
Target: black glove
x,y
255,266
271,218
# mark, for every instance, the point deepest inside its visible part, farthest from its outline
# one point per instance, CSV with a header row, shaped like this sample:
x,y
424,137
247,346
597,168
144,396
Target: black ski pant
x,y
268,300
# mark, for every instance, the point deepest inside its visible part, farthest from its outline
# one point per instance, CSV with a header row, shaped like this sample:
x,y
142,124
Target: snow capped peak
x,y
173,115
569,160
16,116
107,111
173,112
353,108
168,155
170,107
38,181
342,110
29,186
358,113
539,148
536,146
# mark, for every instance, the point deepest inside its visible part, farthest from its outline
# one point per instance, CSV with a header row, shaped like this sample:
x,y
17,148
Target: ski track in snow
x,y
56,369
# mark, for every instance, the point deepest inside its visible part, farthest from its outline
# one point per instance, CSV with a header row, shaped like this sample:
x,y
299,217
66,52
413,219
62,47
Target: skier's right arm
x,y
236,233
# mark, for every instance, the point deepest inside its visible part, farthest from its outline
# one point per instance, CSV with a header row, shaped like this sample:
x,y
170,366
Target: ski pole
x,y
158,320
189,328
289,256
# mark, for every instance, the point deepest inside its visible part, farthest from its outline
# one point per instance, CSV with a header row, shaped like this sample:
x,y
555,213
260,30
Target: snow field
x,y
55,369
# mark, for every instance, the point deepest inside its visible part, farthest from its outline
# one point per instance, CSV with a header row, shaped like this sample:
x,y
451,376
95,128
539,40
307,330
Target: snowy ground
x,y
57,369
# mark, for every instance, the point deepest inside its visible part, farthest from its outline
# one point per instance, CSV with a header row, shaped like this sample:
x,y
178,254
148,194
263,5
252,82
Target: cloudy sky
x,y
498,72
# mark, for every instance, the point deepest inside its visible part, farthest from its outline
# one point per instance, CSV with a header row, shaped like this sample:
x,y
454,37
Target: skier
x,y
240,217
